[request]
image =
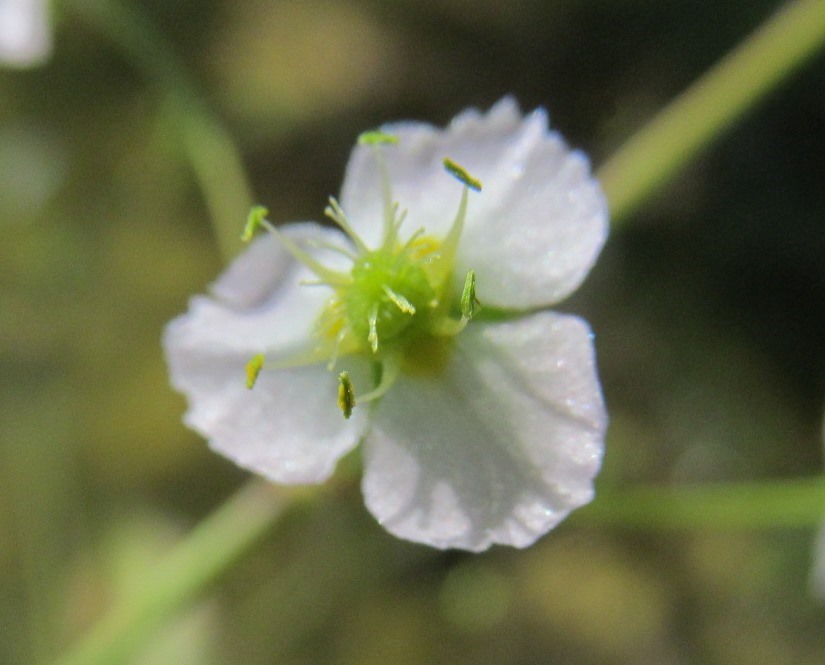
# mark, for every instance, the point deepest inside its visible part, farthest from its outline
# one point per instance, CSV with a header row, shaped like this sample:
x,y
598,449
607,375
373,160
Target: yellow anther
x,y
460,173
253,368
376,137
346,394
255,218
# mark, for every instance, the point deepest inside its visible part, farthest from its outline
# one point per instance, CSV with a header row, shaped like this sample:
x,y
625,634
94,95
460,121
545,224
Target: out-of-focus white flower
x,y
476,428
25,33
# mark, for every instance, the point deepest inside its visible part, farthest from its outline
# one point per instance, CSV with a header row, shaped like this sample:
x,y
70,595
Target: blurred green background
x,y
708,307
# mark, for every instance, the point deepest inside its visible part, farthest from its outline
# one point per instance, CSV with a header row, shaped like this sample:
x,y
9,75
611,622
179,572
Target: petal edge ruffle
x,y
532,233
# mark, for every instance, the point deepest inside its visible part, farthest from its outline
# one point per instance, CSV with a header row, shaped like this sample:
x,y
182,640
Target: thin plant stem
x,y
690,122
210,549
798,502
215,159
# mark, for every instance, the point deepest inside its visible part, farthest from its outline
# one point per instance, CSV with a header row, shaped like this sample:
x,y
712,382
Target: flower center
x,y
393,293
390,294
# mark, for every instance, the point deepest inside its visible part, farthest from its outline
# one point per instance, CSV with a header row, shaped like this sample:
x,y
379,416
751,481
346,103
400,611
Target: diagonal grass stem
x,y
690,122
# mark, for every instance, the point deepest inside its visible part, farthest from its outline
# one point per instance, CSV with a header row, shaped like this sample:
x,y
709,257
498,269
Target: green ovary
x,y
392,289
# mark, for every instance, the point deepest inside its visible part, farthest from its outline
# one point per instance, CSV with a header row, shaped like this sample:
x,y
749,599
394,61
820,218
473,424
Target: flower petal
x,y
417,176
288,427
499,447
260,305
531,234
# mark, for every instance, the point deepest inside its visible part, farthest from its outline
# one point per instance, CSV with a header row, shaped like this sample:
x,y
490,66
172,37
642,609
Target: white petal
x,y
499,447
288,427
25,36
540,231
531,234
419,182
260,305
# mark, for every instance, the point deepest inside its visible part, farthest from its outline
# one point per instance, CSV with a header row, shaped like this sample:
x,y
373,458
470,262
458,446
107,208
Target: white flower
x,y
474,432
25,35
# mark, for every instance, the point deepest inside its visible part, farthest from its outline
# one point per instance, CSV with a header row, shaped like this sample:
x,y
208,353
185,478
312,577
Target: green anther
x,y
461,174
470,306
346,394
377,137
253,368
256,218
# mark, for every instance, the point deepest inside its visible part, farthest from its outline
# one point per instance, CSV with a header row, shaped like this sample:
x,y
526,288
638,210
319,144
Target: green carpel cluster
x,y
390,295
394,304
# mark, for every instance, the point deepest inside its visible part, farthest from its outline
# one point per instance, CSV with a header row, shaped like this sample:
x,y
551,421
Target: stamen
x,y
377,137
449,327
346,394
470,306
317,244
401,216
449,245
336,349
392,228
302,358
256,219
331,277
399,301
372,337
253,369
336,214
460,173
390,369
390,208
411,241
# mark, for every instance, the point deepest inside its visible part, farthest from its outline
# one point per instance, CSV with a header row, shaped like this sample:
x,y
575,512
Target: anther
x,y
253,369
470,306
346,394
376,137
255,219
460,173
